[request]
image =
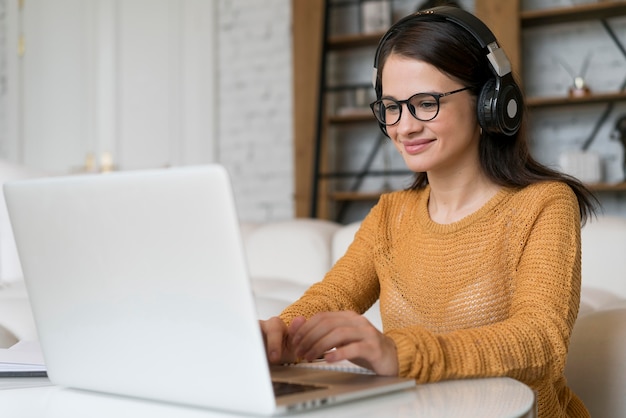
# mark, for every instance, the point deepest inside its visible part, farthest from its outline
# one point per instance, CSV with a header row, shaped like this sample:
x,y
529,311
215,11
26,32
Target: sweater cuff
x,y
406,352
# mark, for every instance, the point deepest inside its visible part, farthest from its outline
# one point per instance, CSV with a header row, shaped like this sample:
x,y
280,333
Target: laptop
x,y
139,287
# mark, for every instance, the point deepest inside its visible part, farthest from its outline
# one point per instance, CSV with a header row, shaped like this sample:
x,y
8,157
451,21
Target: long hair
x,y
506,160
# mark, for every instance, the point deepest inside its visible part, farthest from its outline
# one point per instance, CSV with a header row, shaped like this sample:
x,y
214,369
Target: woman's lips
x,y
416,146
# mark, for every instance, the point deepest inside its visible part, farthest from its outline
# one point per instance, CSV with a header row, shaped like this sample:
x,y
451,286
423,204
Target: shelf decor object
x,y
579,87
375,15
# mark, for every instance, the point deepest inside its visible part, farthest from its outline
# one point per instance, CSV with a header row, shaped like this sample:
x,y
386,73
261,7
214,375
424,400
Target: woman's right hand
x,y
277,338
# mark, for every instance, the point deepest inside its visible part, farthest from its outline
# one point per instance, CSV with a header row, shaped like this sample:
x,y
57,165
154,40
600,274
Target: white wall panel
x,y
129,78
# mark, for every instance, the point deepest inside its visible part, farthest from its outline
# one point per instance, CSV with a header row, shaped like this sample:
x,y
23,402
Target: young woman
x,y
477,263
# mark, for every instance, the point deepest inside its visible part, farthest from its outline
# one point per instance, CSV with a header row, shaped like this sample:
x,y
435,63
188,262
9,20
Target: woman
x,y
477,264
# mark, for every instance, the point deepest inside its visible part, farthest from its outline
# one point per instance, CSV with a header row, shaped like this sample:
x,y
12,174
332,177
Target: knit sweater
x,y
493,294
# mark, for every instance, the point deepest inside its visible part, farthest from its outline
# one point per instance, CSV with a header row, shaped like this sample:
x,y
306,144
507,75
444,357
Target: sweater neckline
x,y
473,217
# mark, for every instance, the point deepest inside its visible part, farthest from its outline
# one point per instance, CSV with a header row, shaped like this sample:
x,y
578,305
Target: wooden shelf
x,y
529,18
352,118
583,12
606,187
355,196
537,102
358,40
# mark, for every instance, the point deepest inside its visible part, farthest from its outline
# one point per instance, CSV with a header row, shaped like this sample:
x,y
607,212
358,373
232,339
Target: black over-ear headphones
x,y
499,103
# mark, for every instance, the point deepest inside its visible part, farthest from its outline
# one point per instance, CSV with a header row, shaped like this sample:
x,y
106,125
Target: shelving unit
x,y
504,18
604,187
338,189
308,36
539,102
579,13
510,36
507,21
340,42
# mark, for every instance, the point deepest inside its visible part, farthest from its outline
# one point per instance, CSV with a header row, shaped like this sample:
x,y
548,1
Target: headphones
x,y
500,103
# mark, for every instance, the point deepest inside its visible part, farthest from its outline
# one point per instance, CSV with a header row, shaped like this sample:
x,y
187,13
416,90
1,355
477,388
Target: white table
x,y
480,398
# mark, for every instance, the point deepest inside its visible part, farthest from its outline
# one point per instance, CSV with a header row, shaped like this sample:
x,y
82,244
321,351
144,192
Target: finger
x,y
325,332
378,354
303,335
274,331
353,337
296,324
312,349
293,328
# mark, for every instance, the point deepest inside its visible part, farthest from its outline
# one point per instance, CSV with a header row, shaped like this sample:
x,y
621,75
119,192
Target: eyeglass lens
x,y
423,106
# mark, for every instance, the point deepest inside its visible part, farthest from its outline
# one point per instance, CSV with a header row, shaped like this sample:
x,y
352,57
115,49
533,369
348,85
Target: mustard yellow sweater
x,y
494,294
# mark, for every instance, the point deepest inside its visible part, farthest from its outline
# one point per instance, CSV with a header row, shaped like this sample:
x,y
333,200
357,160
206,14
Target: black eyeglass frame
x,y
399,103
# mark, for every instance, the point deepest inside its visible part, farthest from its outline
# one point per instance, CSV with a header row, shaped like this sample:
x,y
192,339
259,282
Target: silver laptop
x,y
139,286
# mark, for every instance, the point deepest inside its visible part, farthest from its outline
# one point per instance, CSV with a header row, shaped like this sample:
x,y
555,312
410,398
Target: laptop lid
x,y
139,286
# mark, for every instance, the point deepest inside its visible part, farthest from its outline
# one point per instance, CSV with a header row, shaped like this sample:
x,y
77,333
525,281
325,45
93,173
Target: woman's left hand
x,y
350,336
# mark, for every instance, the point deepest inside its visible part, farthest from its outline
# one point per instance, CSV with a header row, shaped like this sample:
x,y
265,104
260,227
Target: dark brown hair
x,y
506,160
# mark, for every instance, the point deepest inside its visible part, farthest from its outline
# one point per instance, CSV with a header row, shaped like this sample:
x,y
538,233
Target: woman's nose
x,y
408,123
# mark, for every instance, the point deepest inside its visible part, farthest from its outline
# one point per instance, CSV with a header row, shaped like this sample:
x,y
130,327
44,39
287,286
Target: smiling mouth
x,y
415,147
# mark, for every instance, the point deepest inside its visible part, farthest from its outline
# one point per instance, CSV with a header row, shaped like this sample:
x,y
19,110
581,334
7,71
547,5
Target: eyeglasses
x,y
423,106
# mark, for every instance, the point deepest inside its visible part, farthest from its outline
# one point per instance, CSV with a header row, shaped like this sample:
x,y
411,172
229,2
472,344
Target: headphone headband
x,y
498,60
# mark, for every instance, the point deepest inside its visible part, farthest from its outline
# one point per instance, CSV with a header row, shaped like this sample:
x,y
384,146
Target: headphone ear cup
x,y
499,107
484,106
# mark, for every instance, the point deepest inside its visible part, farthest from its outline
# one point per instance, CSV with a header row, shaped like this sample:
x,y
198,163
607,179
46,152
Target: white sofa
x,y
286,257
596,366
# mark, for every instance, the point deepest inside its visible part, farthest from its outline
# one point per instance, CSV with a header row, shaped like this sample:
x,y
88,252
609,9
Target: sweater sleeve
x,y
532,341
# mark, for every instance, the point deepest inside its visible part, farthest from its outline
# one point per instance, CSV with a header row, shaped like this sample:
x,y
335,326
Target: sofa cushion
x,y
280,289
596,364
295,250
593,299
342,240
267,307
603,249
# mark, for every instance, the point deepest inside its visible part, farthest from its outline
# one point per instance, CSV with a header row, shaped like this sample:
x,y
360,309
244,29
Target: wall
x,y
255,105
254,96
255,99
128,83
5,41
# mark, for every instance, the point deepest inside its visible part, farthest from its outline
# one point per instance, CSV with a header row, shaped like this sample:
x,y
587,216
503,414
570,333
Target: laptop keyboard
x,y
288,388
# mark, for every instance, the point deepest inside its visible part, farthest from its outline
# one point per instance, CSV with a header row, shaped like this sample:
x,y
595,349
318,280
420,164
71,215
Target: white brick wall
x,y
255,105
